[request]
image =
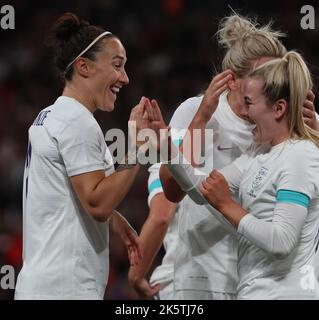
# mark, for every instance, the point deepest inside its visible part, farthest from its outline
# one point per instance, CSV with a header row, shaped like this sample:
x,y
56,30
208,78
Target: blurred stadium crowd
x,y
172,55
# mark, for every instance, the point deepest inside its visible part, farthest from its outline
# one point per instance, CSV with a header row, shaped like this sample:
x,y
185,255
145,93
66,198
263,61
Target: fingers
x,y
216,175
138,111
311,96
219,84
155,290
131,255
145,290
136,244
223,75
224,81
157,110
149,109
206,186
308,105
308,113
203,190
158,122
218,87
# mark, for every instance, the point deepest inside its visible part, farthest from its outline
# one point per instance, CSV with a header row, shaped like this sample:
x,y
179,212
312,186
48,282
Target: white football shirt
x,y
293,166
206,259
65,251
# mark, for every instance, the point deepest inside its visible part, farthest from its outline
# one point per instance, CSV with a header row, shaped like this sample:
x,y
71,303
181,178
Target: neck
x,y
280,135
80,94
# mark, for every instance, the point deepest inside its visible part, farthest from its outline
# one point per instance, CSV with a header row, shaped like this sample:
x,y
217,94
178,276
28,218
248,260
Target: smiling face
x,y
237,90
107,74
259,111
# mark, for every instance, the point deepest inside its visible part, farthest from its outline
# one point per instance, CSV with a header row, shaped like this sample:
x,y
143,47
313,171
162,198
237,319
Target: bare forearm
x,y
111,190
191,146
233,212
172,190
151,239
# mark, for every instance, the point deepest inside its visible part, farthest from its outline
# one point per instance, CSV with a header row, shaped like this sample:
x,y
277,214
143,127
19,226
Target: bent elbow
x,y
161,220
99,214
282,252
172,195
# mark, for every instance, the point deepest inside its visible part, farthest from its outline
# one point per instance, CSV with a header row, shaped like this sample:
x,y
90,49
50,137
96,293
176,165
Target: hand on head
x,y
218,85
309,111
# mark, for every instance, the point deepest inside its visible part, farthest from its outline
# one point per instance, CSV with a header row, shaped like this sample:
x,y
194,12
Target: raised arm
x,y
100,195
198,122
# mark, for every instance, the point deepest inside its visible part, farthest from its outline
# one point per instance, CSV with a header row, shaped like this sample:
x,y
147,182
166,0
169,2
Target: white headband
x,y
88,48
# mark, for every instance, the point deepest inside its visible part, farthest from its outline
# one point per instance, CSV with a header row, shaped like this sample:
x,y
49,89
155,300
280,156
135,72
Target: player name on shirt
x,y
40,118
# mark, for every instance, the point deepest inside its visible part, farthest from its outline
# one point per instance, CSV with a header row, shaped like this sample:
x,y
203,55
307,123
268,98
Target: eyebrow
x,y
119,57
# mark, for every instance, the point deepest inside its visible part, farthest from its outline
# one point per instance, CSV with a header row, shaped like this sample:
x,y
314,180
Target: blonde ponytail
x,y
289,78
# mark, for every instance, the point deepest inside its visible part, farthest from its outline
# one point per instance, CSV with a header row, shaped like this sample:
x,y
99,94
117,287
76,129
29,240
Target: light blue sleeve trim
x,y
293,197
156,184
178,142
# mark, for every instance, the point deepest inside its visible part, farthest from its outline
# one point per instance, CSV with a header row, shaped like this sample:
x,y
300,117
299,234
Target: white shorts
x,y
203,295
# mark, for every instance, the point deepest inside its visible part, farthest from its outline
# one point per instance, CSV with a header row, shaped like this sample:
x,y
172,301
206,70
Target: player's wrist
x,y
134,277
232,211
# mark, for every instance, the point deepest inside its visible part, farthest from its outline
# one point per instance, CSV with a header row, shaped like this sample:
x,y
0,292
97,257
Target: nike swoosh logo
x,y
224,148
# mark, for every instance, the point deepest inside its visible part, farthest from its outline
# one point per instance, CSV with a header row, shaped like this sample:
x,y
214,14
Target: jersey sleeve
x,y
81,147
298,181
278,237
296,186
185,113
154,182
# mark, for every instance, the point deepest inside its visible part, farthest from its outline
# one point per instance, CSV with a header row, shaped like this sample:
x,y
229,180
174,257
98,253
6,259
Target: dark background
x,y
172,55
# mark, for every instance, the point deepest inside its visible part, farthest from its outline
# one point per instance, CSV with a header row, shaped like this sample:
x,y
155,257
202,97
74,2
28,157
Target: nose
x,y
124,78
244,113
244,110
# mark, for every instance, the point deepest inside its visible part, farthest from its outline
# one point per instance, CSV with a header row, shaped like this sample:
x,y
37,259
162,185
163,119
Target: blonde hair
x,y
289,78
245,42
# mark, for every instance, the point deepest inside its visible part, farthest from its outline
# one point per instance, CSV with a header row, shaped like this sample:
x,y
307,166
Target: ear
x,y
280,108
82,68
234,83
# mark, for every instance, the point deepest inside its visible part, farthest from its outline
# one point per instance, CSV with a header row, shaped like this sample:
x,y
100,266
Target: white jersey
x,y
206,259
65,251
164,273
293,166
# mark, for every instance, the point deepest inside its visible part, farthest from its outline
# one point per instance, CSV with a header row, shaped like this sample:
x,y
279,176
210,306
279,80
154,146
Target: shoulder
x,y
68,115
300,168
189,105
187,109
192,102
302,152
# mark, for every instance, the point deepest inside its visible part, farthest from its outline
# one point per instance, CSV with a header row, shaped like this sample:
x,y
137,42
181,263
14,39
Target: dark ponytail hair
x,y
69,37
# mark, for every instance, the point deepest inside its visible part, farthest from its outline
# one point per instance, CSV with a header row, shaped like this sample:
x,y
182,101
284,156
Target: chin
x,y
108,108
